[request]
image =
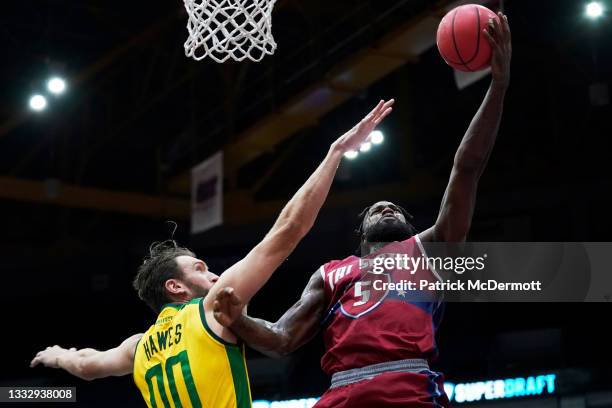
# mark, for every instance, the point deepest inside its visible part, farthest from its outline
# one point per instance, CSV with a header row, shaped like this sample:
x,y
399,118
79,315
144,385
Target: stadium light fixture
x,y
351,154
377,137
56,85
365,147
38,103
594,10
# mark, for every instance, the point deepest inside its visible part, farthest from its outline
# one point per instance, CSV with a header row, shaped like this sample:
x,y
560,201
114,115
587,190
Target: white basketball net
x,y
223,29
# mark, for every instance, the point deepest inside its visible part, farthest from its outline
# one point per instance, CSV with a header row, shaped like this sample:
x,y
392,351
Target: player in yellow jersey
x,y
186,358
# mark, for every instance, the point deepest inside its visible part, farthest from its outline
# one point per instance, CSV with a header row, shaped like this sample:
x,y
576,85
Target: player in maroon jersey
x,y
379,342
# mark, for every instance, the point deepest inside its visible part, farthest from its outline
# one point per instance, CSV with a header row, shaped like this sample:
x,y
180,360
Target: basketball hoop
x,y
224,29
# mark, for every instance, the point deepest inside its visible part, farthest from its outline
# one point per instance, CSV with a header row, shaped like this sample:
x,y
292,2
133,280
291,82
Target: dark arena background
x,y
88,183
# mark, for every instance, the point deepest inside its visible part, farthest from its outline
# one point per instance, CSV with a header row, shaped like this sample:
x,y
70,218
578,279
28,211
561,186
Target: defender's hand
x,y
227,307
500,38
352,139
49,356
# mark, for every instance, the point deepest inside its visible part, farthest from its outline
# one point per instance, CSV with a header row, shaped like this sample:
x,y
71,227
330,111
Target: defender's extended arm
x,y
248,275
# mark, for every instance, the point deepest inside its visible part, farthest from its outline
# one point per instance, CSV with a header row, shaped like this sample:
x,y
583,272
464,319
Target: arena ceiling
x,y
138,114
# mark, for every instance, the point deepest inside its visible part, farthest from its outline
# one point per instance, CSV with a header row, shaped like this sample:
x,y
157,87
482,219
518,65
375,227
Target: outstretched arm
x,y
296,327
455,216
88,363
248,275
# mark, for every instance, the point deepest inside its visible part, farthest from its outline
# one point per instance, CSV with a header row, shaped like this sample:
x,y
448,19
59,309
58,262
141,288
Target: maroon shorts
x,y
399,389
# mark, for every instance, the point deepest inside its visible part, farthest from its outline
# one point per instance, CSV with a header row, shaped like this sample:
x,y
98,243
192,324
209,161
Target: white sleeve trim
x,y
432,269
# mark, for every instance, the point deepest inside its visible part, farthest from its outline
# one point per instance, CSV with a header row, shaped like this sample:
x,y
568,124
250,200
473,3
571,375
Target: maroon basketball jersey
x,y
369,321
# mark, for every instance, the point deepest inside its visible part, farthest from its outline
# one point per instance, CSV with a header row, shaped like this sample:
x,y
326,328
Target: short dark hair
x,y
159,266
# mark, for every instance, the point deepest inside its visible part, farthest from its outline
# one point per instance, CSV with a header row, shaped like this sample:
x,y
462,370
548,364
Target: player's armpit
x,y
295,220
296,327
250,273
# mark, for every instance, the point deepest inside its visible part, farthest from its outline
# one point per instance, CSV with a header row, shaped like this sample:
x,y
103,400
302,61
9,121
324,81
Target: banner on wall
x,y
207,194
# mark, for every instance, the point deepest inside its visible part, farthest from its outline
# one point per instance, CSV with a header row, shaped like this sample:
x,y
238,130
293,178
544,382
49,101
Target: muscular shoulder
x,y
429,235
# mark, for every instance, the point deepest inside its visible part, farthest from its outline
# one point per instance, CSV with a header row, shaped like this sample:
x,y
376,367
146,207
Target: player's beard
x,y
197,291
388,231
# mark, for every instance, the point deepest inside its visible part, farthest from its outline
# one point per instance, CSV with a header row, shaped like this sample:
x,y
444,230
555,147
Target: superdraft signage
x,y
501,389
508,388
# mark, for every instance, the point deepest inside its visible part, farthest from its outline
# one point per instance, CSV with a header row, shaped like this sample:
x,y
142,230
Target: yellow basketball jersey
x,y
180,362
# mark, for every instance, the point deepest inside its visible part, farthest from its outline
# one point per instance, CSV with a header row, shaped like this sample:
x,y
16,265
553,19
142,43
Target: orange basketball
x,y
460,39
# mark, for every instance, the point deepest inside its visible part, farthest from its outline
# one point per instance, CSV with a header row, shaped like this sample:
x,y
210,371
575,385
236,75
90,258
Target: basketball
x,y
460,39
